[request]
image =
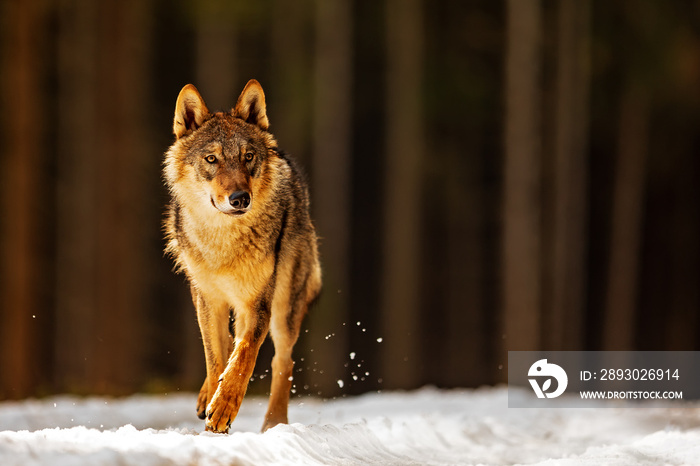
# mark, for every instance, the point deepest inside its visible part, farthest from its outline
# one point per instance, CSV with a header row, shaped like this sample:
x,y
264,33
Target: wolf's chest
x,y
235,265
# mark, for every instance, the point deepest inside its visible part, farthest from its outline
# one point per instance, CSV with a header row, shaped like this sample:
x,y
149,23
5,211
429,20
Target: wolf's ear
x,y
190,111
251,105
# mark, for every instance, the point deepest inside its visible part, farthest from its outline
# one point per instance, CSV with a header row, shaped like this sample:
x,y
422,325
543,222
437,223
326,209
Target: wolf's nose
x,y
239,200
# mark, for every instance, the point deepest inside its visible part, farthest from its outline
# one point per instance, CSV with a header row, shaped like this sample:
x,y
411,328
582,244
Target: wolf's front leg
x,y
251,330
213,324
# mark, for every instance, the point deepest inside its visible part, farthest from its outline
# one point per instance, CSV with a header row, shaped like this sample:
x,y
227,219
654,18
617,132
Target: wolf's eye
x,y
210,158
249,156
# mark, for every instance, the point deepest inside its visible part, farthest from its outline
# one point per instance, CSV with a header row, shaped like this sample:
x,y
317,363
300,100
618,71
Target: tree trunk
x,y
403,195
78,206
627,221
467,342
123,272
522,180
103,159
25,200
568,268
331,188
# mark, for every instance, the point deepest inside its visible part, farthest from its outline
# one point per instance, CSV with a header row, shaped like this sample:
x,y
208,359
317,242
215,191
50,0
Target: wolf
x,y
238,226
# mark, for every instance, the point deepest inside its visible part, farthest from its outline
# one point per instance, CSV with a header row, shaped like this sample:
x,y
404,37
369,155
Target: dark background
x,y
486,176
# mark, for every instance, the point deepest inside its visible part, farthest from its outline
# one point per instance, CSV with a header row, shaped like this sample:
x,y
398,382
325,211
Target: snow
x,y
427,426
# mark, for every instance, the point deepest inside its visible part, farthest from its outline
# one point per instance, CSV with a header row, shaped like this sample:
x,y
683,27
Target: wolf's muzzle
x,y
240,201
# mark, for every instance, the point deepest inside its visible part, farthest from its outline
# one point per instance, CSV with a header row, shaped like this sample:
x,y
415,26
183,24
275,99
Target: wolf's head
x,y
221,158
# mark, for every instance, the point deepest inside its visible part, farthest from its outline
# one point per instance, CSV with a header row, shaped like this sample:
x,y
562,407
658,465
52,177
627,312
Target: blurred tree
x,y
405,198
331,187
627,219
103,155
465,62
567,278
641,57
25,200
522,249
77,167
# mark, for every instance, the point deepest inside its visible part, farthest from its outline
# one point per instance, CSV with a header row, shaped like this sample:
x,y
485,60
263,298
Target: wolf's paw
x,y
202,402
220,412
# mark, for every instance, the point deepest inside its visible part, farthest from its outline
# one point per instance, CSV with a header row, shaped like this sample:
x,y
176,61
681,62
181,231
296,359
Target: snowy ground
x,y
428,426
